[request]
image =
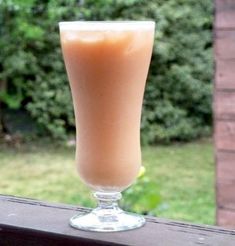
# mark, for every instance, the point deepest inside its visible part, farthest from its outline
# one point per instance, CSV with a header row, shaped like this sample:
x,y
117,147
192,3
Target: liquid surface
x,y
107,70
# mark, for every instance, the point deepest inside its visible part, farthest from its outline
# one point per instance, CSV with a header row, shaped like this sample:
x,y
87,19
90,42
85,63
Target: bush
x,y
177,103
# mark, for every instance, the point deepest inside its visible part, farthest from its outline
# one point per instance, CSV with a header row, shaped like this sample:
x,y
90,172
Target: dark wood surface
x,y
26,222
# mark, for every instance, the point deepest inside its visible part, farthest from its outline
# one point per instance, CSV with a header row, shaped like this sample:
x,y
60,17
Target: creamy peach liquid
x,y
107,66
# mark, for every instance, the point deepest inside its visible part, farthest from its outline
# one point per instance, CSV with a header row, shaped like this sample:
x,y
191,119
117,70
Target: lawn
x,y
183,173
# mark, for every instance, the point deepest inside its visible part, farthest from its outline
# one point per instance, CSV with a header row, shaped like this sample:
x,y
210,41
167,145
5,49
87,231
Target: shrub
x,y
177,103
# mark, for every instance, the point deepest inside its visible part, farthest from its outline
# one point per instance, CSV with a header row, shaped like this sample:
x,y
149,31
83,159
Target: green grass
x,y
184,176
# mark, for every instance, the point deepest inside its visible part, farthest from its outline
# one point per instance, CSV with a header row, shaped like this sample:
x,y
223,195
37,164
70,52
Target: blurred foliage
x,y
177,103
142,197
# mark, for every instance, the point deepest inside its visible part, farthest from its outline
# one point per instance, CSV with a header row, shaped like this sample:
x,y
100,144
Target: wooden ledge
x,y
27,222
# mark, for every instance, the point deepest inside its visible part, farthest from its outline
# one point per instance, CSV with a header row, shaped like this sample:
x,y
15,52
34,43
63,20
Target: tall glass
x,y
107,65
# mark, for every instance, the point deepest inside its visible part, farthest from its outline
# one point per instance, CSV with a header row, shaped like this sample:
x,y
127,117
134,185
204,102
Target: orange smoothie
x,y
107,66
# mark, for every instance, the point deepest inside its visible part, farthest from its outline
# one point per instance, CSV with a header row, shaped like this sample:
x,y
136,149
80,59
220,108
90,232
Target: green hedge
x,y
177,103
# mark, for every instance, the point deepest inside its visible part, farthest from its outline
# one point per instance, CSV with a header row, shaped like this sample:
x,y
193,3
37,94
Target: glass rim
x,y
106,25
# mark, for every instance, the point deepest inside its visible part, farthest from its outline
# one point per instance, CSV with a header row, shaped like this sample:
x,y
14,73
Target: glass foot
x,y
100,221
107,217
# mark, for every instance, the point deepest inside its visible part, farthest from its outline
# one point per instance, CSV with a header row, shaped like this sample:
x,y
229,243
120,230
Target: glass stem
x,y
107,216
107,200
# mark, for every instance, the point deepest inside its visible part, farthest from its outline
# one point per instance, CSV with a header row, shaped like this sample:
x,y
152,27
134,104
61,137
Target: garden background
x,y
36,114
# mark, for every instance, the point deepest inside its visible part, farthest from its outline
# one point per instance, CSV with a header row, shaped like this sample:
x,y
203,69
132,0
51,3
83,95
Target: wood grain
x,y
224,110
226,218
29,222
226,168
225,194
225,173
224,135
224,105
225,44
225,11
224,74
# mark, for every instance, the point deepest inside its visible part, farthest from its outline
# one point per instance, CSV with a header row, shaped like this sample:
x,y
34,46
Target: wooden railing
x,y
26,222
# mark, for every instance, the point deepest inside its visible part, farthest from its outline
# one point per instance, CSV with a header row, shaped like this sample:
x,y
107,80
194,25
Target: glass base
x,y
107,217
